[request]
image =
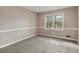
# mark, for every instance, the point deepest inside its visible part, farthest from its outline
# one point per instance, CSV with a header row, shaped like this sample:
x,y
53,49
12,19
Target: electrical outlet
x,y
68,36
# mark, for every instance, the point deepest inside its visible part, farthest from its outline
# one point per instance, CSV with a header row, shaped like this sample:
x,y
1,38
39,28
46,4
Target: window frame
x,y
53,27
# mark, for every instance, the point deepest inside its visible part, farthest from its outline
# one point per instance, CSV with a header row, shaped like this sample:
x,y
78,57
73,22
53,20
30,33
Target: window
x,y
54,21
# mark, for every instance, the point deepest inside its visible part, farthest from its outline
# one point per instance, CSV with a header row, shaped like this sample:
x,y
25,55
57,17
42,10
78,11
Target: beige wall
x,y
16,23
78,25
70,23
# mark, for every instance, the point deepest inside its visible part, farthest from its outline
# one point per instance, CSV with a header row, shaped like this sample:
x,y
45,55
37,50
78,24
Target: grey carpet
x,y
42,44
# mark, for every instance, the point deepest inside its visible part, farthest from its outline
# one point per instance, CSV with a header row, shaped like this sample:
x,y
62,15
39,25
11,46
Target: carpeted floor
x,y
42,44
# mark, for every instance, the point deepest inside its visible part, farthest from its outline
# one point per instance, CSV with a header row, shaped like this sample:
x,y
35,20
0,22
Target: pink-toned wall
x,y
78,25
70,23
16,23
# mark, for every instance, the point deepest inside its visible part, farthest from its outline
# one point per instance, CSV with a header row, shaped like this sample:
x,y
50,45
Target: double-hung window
x,y
54,22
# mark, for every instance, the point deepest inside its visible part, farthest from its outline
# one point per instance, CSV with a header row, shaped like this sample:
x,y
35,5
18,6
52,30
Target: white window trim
x,y
53,28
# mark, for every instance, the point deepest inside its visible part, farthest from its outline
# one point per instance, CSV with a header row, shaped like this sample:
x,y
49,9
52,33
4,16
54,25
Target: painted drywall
x,y
16,23
70,23
78,25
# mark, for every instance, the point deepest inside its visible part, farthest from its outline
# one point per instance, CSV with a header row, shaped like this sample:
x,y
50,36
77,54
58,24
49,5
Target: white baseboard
x,y
60,37
15,41
30,37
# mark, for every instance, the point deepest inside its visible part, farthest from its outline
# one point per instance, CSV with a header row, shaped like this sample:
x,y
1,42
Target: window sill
x,y
54,29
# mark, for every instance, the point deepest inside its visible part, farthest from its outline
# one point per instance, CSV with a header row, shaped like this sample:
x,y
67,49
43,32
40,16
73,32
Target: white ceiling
x,y
39,9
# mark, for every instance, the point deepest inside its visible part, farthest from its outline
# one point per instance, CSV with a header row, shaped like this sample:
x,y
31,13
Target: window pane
x,y
52,18
59,22
47,22
54,21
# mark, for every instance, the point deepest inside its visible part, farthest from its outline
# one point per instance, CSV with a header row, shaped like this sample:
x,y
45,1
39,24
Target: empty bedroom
x,y
39,29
